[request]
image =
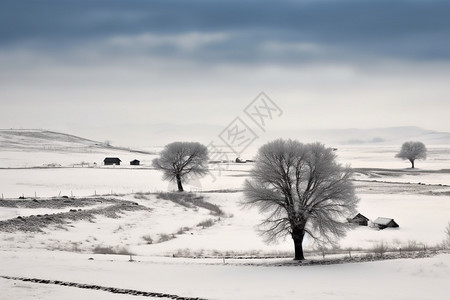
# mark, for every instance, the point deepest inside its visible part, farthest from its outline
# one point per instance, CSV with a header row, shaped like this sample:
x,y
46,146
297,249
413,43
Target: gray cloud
x,y
129,66
342,30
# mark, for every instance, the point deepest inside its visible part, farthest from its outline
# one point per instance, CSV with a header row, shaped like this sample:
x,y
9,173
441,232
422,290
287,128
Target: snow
x,y
27,290
417,199
383,156
398,279
13,212
382,220
421,218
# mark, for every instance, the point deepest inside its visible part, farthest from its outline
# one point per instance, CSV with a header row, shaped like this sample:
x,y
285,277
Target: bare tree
x,y
179,159
303,190
447,236
412,151
380,248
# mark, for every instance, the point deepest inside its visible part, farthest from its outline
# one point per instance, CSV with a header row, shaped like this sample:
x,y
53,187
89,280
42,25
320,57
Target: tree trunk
x,y
180,186
412,163
297,236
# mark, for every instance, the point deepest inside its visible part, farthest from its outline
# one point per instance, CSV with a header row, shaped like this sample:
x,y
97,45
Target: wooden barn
x,y
135,162
109,161
383,223
359,219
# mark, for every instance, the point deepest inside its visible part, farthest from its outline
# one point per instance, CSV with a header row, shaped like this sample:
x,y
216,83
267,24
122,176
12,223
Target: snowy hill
x,y
43,140
40,148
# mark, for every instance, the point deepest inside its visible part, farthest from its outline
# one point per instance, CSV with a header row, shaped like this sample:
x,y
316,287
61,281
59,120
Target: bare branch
x,y
179,159
302,190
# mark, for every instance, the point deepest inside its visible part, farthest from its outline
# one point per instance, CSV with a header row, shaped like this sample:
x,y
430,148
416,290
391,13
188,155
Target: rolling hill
x,y
44,140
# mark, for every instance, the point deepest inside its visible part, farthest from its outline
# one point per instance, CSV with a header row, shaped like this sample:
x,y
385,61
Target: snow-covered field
x,y
418,200
399,279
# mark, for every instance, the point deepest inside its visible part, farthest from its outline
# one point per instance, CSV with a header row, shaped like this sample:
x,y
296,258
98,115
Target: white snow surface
x,y
418,200
398,279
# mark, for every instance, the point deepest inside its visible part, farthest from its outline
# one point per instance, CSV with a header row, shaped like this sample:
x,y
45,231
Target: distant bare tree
x,y
179,159
412,151
447,236
303,190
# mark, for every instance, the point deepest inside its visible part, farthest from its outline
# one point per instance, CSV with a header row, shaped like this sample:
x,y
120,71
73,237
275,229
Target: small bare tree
x,y
179,159
412,151
380,248
447,236
304,191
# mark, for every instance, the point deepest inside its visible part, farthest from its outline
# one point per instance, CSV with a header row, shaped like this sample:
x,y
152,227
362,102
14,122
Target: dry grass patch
x,y
191,200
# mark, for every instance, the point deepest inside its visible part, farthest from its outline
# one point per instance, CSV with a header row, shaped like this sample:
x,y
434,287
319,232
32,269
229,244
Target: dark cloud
x,y
272,31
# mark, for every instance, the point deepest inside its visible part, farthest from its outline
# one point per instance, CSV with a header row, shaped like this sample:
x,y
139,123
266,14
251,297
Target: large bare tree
x,y
302,190
412,151
180,159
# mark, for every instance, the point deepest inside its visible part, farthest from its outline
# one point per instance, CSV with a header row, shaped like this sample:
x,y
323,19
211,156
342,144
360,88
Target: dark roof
x,y
360,216
112,159
135,160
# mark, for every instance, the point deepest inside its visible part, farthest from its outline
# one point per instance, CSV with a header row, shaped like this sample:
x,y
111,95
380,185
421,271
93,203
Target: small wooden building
x,y
383,223
109,161
359,219
135,162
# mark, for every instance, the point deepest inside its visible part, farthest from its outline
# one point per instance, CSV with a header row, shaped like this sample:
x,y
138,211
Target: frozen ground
x,y
417,199
397,279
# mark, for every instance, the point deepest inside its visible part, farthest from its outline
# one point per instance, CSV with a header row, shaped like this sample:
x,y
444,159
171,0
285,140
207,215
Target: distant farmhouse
x,y
383,223
109,161
359,219
135,162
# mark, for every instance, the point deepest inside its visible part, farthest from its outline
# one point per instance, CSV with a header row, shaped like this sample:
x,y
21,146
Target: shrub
x,y
111,250
412,246
183,253
380,249
191,200
76,247
165,237
206,223
148,239
183,230
141,196
178,198
124,251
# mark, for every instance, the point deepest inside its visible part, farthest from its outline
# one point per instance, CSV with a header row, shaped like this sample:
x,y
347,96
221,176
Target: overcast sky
x,y
145,72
